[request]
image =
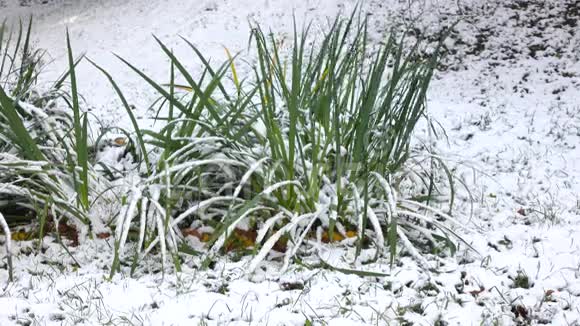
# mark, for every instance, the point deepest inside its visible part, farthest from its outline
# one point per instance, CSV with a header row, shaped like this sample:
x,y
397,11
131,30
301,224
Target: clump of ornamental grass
x,y
317,140
44,147
191,165
338,117
19,63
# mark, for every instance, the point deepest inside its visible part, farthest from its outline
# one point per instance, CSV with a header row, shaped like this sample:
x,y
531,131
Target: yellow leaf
x,y
322,78
350,234
182,87
21,236
205,237
233,68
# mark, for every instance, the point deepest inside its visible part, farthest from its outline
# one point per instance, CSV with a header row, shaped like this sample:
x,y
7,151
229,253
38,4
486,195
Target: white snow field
x,y
507,95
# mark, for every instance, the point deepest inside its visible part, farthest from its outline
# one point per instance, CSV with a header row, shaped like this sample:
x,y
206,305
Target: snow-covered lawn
x,y
507,99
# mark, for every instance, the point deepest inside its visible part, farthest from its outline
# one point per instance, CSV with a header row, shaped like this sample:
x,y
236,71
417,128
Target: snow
x,y
508,103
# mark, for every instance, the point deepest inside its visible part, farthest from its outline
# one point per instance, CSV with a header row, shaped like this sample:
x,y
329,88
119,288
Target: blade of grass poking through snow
x,y
2,31
207,66
233,69
325,265
272,84
170,113
18,133
168,177
361,141
42,224
160,89
138,132
8,236
185,110
60,81
26,46
81,134
5,56
239,109
203,96
168,182
24,61
16,48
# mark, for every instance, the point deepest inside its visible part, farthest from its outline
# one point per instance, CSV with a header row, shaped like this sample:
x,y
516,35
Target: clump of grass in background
x,y
44,161
44,149
19,63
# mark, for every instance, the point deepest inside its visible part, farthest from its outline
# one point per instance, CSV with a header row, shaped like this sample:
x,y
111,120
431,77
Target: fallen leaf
x,y
520,311
103,235
475,293
203,237
120,141
22,235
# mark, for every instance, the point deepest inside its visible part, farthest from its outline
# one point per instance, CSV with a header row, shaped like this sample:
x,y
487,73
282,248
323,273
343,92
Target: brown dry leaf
x,y
203,237
243,239
191,232
120,141
281,245
520,311
240,239
103,235
475,293
69,232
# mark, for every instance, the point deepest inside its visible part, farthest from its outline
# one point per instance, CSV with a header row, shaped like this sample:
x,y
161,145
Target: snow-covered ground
x,y
507,96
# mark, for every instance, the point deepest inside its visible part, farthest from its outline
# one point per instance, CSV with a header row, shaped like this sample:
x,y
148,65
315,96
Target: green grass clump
x,y
313,141
521,280
44,155
319,138
195,162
